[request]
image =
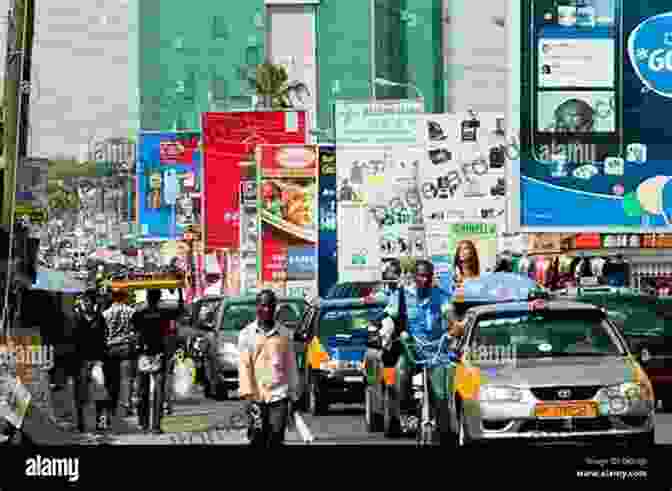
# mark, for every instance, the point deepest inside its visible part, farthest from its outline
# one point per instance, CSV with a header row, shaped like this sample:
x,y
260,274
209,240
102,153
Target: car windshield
x,y
544,334
237,316
347,320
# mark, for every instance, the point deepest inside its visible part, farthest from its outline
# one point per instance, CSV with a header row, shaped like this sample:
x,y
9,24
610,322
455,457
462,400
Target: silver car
x,y
546,372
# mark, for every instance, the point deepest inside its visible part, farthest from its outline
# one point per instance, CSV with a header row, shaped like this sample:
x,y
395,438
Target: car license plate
x,y
567,410
353,379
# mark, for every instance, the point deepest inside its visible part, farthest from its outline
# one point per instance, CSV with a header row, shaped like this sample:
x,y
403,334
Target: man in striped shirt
x,y
119,334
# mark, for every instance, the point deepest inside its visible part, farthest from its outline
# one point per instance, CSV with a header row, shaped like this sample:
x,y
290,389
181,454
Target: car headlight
x,y
617,398
500,394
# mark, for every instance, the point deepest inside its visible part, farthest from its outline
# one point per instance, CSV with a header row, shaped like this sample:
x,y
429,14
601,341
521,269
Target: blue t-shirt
x,y
425,316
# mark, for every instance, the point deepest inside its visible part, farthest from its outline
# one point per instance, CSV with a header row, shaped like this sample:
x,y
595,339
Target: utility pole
x,y
20,33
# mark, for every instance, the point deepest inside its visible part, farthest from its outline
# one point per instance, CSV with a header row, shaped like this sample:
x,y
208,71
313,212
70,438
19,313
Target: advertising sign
x,y
593,117
463,176
327,233
382,180
482,235
359,256
287,217
32,176
380,122
169,191
230,141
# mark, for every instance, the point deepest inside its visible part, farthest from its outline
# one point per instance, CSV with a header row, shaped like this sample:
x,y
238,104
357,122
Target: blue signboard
x,y
301,263
595,134
169,175
327,242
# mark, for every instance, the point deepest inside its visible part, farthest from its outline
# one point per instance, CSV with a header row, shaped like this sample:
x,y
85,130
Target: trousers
x,y
272,421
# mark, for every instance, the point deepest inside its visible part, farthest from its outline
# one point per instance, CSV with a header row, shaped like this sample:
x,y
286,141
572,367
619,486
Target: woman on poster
x,y
466,264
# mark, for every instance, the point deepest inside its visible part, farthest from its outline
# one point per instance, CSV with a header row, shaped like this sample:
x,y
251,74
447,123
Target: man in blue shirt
x,y
428,311
391,276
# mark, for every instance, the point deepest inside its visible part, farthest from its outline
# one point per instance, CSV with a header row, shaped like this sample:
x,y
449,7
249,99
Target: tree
x,y
61,202
272,84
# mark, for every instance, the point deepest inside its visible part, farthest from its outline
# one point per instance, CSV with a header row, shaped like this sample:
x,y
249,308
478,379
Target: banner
x,y
463,176
230,142
328,217
287,217
169,189
483,236
359,238
32,176
380,122
593,116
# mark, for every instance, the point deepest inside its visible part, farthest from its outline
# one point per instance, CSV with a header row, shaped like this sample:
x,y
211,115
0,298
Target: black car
x,y
353,289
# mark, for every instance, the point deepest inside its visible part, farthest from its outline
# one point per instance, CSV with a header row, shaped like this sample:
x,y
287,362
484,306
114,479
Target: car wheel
x,y
374,420
391,419
317,406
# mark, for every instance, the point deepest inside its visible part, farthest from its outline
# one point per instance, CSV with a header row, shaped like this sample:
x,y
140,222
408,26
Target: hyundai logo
x,y
564,394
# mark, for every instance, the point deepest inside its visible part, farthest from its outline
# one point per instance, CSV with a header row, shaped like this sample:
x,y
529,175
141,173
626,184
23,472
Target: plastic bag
x,y
183,378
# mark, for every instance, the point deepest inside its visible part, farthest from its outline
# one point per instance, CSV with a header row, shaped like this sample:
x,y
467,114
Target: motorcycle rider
x,y
90,348
153,326
427,310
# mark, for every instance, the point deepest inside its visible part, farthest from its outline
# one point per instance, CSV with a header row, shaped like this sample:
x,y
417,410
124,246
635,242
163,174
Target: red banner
x,y
587,241
229,139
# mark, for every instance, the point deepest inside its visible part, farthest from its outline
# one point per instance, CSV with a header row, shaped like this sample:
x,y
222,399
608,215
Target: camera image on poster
x,y
576,112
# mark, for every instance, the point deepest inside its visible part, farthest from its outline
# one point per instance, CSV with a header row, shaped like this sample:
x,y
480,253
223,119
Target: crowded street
x,y
427,223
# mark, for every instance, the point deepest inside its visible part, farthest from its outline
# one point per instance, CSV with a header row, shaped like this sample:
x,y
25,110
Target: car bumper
x,y
574,430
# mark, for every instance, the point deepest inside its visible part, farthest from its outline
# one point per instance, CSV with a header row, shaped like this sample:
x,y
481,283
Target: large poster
x,y
593,116
287,213
230,141
169,183
328,220
381,181
463,176
32,176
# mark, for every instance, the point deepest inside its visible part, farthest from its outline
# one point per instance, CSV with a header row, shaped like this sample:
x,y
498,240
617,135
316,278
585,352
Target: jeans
x,y
274,420
112,373
143,392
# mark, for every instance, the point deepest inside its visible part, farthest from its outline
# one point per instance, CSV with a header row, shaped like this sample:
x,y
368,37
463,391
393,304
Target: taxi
x,y
646,322
546,372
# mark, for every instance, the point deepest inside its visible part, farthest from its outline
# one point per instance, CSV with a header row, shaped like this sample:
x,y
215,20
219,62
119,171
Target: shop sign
x,y
301,263
587,241
474,228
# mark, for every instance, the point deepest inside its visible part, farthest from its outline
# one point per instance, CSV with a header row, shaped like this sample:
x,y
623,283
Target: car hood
x,y
570,371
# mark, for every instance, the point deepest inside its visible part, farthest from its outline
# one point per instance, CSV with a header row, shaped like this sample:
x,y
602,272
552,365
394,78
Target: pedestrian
x,y
120,357
268,374
88,356
155,337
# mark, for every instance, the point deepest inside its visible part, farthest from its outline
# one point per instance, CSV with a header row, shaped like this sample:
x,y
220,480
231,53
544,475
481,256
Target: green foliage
x,y
60,169
272,84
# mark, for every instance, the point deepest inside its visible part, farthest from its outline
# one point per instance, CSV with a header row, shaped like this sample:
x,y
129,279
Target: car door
x,y
452,371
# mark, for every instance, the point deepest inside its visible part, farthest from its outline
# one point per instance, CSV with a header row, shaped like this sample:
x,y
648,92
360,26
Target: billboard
x,y
168,183
463,176
328,220
443,245
589,102
230,141
383,122
287,215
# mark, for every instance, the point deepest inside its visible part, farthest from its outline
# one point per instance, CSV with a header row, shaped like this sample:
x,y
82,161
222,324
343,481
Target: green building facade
x,y
191,57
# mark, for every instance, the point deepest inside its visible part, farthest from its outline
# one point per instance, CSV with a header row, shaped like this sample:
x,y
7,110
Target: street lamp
x,y
388,83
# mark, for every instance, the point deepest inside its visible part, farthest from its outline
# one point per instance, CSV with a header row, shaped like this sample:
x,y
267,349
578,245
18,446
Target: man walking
x,y
121,342
90,348
268,373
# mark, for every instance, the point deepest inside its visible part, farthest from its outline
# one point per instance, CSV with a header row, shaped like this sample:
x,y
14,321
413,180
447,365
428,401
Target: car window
x,y
543,334
237,316
347,320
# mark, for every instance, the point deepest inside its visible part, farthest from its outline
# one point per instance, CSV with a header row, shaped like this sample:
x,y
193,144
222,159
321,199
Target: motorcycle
x,y
14,404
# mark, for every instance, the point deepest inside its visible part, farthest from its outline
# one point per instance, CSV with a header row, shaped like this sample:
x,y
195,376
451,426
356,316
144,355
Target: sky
x,y
82,83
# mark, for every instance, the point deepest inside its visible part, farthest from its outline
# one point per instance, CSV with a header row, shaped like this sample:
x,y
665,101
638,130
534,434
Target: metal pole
x,y
372,46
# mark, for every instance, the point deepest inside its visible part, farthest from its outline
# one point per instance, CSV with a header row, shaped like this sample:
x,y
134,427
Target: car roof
x,y
555,305
341,303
